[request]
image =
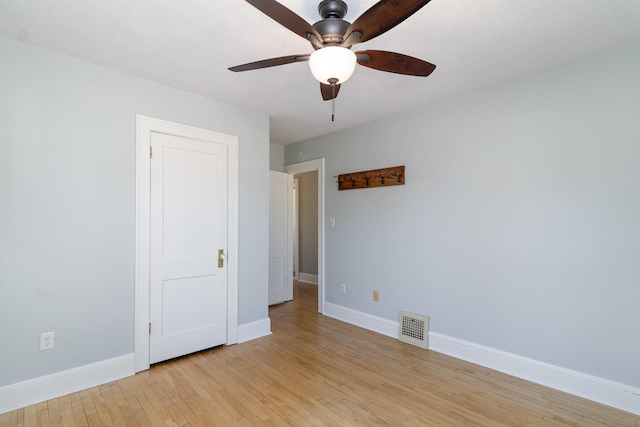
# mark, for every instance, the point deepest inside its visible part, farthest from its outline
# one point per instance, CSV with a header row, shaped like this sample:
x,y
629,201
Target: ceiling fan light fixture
x,y
332,62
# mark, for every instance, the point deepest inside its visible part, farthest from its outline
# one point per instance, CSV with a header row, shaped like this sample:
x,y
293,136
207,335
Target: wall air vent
x,y
414,329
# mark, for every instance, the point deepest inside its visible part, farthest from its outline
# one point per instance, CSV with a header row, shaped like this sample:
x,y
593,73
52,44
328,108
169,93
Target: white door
x,y
188,228
280,281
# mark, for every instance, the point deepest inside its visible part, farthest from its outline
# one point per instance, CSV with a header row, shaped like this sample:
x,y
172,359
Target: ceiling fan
x,y
332,62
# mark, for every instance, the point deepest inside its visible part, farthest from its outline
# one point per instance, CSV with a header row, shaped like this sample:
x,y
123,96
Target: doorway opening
x,y
318,166
305,226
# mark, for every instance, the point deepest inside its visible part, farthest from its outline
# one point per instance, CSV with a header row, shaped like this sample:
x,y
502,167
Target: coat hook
x,y
371,178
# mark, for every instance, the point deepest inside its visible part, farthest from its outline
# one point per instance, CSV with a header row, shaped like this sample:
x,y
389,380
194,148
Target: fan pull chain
x,y
333,99
333,110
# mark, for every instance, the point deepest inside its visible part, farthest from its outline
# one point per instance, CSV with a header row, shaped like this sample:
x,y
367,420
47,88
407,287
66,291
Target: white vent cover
x,y
414,329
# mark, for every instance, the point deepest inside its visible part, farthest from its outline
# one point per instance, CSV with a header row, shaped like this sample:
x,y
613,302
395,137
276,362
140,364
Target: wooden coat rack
x,y
371,178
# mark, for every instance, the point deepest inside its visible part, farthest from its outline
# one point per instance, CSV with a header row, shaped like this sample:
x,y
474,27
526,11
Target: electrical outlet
x,y
46,340
376,296
343,288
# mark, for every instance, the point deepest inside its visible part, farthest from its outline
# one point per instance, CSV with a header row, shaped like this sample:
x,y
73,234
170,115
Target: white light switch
x,y
333,222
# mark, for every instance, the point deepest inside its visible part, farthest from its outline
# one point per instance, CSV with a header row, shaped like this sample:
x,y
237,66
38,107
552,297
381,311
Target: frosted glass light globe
x,y
332,62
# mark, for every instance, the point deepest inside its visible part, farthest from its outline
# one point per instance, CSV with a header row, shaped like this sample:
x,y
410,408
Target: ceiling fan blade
x,y
383,16
286,18
327,91
272,62
392,62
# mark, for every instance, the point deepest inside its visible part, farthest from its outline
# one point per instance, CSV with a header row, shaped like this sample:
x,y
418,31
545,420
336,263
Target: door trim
x,y
144,126
310,166
296,235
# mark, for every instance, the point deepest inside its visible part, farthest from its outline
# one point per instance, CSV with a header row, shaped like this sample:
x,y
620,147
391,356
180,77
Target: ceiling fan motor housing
x,y
332,27
332,9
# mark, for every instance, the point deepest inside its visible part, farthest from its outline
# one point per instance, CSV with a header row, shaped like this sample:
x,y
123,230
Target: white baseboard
x,y
308,278
606,392
19,395
366,321
253,330
610,393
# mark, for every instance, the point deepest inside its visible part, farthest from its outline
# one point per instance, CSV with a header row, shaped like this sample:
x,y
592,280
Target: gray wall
x,y
67,196
519,224
308,222
276,157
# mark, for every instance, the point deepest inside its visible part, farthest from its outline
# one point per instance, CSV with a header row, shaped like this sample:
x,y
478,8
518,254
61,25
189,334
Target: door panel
x,y
279,238
194,292
188,291
189,218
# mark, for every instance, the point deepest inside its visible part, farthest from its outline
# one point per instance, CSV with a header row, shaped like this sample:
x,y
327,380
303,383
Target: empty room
x,y
260,212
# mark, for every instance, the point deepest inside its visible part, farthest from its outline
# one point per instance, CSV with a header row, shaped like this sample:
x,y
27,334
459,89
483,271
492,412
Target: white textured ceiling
x,y
189,45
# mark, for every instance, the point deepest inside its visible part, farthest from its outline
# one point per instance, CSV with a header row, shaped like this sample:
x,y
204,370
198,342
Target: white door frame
x,y
296,235
310,166
144,127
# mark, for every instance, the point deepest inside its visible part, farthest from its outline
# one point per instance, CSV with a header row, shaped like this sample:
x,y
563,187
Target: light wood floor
x,y
315,370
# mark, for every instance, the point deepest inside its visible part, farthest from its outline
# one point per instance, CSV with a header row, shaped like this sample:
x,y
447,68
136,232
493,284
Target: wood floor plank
x,y
210,410
54,412
66,412
18,419
118,409
30,416
79,415
200,402
146,412
166,396
317,371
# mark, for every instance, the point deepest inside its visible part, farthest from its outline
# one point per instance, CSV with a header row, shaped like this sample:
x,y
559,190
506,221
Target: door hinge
x,y
150,152
149,328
